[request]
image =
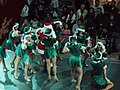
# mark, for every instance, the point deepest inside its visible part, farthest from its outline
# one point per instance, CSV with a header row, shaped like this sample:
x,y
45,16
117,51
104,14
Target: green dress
x,y
2,52
97,75
19,51
10,43
50,51
28,55
58,33
74,59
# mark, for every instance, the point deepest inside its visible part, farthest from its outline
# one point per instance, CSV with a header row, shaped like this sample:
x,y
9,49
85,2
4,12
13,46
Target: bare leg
x,y
72,74
4,66
48,68
80,71
105,72
12,62
109,86
85,59
59,56
31,67
18,59
54,68
26,72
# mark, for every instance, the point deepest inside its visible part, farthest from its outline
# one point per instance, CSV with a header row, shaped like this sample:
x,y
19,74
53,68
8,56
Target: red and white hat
x,y
49,26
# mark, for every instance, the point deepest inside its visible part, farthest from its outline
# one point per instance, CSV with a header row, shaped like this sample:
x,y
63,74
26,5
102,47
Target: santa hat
x,y
16,24
81,28
27,29
49,26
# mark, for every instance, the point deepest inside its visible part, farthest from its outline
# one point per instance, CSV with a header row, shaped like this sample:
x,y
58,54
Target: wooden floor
x,y
39,80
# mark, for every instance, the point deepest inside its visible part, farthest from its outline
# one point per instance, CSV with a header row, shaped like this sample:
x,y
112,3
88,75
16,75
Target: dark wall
x,y
9,13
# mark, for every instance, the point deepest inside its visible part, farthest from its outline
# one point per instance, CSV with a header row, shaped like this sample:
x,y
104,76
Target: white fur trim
x,y
105,66
40,51
30,29
105,58
100,56
96,61
88,38
39,29
78,29
58,22
15,34
13,28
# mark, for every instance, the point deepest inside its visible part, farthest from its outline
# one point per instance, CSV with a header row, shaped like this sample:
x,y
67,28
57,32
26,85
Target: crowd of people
x,y
49,29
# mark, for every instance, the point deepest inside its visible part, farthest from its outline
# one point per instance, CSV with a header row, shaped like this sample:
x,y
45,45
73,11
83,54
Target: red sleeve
x,y
41,36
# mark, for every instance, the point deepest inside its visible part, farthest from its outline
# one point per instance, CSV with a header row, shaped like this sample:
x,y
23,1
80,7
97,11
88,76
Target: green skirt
x,y
10,45
75,61
50,52
27,59
19,51
99,80
59,45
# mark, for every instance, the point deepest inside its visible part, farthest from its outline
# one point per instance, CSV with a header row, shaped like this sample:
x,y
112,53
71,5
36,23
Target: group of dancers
x,y
46,42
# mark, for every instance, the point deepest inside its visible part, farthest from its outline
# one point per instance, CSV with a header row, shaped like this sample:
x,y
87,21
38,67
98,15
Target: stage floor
x,y
39,80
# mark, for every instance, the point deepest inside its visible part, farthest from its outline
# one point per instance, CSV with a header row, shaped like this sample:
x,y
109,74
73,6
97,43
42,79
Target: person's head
x,y
99,10
97,2
91,11
81,29
71,11
112,17
82,6
27,38
79,22
100,46
66,26
113,3
118,5
65,8
72,40
26,22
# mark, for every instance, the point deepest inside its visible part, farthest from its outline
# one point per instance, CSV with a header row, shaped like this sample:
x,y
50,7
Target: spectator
x,y
75,26
99,20
66,33
82,12
24,13
90,23
96,6
56,5
40,10
71,19
64,13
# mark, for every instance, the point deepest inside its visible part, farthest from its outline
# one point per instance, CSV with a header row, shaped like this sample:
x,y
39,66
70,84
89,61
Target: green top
x,y
48,42
75,49
58,32
82,38
10,35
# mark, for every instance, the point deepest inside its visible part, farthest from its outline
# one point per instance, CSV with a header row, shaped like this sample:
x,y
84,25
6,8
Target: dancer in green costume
x,y
50,53
74,61
99,76
2,56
